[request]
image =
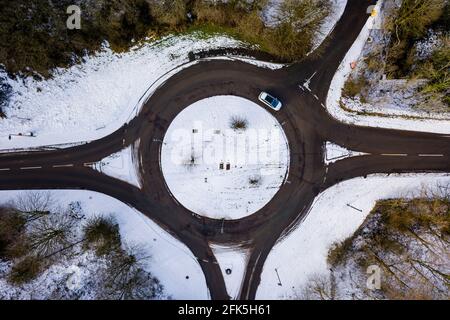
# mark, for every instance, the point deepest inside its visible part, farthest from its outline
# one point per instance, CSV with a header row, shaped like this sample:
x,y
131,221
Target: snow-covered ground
x,y
233,263
220,172
120,165
389,121
171,261
96,97
334,152
335,215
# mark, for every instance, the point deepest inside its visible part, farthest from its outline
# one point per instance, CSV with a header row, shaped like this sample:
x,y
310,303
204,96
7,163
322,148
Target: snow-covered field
x,y
220,172
170,260
96,97
393,122
335,215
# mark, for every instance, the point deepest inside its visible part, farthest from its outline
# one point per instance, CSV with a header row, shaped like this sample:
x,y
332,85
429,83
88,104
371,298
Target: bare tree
x,y
125,277
34,204
318,287
51,234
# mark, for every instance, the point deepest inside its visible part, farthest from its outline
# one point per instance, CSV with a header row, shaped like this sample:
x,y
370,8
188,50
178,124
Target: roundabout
x,y
224,157
173,154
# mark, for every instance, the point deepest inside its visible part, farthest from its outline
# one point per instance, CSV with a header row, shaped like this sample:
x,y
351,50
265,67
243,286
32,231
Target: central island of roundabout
x,y
224,157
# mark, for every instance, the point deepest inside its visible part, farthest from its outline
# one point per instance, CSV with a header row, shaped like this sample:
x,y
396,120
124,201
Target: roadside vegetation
x,y
414,21
38,239
408,239
406,65
34,38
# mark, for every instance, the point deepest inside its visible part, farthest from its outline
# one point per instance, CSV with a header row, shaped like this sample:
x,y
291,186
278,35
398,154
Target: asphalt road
x,y
307,126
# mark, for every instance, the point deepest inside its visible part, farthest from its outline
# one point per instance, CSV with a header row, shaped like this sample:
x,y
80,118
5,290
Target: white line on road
x,y
394,154
62,165
30,168
5,169
431,155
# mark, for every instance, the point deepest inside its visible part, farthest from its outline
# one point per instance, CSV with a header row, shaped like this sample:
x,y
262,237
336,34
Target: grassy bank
x,y
34,38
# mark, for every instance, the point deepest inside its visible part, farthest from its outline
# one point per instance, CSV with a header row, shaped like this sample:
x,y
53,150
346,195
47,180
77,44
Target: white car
x,y
270,101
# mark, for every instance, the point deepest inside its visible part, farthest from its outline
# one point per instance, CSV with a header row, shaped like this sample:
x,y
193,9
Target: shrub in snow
x,y
255,180
25,270
102,235
238,123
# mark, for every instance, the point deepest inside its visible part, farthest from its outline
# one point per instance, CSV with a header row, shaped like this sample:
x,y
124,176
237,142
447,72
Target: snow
x,y
258,63
120,165
93,99
303,252
337,9
425,48
389,121
234,259
334,152
171,261
200,140
269,14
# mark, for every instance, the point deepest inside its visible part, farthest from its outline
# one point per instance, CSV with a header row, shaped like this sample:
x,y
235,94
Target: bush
x,y
12,227
339,251
354,87
25,270
238,123
413,20
255,180
102,234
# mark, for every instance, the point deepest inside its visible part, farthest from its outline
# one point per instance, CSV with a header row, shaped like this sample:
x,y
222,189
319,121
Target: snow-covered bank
x,y
406,122
335,215
96,97
171,261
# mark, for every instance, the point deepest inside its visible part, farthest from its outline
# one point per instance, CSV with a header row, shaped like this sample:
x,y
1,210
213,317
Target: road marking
x,y
5,169
62,165
30,168
323,105
315,96
251,275
431,155
394,154
88,164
